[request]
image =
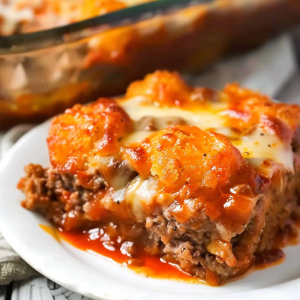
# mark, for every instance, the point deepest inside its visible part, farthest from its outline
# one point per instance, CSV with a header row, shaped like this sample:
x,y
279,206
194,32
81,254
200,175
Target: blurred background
x,y
55,53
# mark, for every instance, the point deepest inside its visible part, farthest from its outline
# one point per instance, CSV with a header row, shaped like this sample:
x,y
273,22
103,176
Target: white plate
x,y
97,277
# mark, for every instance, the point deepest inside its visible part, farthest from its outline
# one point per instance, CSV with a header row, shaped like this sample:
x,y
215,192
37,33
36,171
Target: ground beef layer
x,y
188,244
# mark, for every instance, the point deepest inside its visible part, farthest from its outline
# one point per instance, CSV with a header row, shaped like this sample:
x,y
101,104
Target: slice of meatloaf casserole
x,y
204,179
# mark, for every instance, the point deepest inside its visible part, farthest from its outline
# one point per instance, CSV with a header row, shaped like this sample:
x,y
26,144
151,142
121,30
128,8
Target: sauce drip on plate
x,y
143,263
95,241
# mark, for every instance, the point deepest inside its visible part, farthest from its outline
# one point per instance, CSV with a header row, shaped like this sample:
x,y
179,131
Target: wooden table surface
x,y
43,289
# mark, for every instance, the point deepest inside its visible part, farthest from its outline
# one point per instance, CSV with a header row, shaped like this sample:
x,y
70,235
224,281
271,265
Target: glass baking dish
x,y
43,73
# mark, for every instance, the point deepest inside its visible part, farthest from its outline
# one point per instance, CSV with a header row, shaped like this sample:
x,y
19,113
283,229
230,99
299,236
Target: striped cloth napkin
x,y
12,266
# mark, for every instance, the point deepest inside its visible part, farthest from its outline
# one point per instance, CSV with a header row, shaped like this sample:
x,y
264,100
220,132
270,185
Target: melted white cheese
x,y
263,145
138,194
204,119
255,145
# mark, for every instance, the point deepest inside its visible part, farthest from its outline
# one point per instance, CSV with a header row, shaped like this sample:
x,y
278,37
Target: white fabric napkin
x,y
12,266
266,69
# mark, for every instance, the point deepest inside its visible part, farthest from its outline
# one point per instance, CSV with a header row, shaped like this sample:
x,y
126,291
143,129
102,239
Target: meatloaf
x,y
205,179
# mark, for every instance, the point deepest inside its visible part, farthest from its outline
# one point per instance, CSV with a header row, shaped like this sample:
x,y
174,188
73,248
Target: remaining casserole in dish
x,y
204,179
23,16
84,60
